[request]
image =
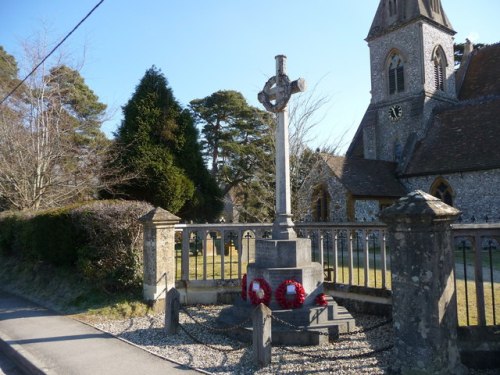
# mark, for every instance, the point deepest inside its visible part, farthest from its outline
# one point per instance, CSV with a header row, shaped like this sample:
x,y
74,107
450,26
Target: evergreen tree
x,y
159,144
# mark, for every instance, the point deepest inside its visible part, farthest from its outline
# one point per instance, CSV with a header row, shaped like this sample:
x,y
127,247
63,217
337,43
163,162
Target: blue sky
x,y
207,45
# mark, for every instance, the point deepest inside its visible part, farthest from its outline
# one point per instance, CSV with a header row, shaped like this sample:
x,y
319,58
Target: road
x,y
7,367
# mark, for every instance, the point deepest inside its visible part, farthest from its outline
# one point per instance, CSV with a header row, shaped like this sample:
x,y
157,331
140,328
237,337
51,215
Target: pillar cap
x,y
159,215
419,204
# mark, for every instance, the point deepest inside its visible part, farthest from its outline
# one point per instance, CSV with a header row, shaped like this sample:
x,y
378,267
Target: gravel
x,y
220,354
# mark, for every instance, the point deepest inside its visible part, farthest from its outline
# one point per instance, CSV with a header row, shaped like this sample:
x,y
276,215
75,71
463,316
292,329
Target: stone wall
x,y
476,193
366,210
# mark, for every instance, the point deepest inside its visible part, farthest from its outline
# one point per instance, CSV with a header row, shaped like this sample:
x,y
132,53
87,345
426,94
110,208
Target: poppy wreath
x,y
244,287
321,300
264,286
297,301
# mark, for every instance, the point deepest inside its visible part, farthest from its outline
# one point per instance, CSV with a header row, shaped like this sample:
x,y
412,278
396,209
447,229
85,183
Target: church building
x,y
428,126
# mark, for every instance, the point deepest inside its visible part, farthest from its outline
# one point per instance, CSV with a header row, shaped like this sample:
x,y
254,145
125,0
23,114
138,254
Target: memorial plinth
x,y
286,257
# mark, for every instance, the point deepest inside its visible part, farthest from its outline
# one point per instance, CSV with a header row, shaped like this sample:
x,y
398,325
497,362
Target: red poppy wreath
x,y
290,294
259,292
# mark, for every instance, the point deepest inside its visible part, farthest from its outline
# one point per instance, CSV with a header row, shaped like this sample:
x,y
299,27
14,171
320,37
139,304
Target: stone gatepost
x,y
424,298
159,256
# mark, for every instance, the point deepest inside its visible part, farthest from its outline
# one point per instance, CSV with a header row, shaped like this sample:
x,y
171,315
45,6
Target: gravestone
x,y
284,256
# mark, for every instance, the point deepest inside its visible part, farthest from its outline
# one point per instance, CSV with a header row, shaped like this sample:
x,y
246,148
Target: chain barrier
x,y
284,348
293,326
232,328
192,337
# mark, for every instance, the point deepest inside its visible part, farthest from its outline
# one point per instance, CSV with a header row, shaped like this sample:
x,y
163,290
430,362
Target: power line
x,y
51,52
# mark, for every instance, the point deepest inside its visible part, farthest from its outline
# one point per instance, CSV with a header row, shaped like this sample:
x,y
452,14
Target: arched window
x,y
439,60
441,189
396,74
321,204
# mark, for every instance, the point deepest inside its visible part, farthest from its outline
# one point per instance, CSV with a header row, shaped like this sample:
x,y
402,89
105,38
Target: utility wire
x,y
51,52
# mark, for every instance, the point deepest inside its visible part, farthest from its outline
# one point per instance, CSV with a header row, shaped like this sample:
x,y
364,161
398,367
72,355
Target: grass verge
x,y
63,291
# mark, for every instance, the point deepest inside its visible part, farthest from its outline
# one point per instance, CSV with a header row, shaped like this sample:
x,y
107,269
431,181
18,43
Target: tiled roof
x,y
462,138
364,177
482,77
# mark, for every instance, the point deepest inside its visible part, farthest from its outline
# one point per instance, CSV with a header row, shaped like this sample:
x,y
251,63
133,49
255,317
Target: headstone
x,y
423,287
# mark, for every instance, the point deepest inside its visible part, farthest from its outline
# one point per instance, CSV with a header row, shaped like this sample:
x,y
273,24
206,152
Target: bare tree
x,y
51,148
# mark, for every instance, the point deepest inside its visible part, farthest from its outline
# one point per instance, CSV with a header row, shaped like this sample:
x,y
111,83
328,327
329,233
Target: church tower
x,y
412,72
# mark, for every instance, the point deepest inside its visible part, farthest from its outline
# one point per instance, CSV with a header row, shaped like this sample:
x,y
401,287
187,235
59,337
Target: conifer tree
x,y
159,144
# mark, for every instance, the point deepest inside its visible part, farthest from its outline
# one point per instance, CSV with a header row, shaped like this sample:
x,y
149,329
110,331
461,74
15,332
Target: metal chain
x,y
208,345
342,357
296,327
240,325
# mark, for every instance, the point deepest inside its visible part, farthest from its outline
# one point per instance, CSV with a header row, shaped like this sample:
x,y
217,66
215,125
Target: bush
x,y
111,254
101,240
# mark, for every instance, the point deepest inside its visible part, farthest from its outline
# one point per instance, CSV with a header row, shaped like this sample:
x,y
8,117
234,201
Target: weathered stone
x,y
262,335
424,298
159,255
172,305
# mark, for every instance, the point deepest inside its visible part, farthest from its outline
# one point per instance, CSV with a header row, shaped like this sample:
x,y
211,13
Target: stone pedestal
x,y
424,299
275,262
280,260
159,256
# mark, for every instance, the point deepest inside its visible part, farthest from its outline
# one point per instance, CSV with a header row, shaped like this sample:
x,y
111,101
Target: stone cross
x,y
279,89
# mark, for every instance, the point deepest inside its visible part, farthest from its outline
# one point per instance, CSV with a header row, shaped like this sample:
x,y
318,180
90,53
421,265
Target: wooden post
x,y
262,335
172,305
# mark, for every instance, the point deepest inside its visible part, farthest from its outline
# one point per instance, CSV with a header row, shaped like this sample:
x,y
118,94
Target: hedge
x,y
100,240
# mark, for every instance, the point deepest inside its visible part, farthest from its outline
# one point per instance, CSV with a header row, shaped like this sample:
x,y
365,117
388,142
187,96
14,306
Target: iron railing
x,y
477,270
351,254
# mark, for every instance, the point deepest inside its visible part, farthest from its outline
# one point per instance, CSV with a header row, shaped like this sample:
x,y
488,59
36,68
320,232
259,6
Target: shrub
x,y
101,240
111,255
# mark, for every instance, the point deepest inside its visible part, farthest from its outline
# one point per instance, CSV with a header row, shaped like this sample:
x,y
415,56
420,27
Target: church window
x,y
321,199
396,74
439,68
441,189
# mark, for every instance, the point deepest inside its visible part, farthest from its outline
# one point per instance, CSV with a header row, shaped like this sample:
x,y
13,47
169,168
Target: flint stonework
x,y
424,298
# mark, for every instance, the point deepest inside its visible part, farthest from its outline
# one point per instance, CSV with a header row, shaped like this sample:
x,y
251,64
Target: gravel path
x,y
222,355
148,332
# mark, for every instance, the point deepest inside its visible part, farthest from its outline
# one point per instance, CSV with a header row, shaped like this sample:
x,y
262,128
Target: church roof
x,y
460,139
407,11
482,77
366,178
